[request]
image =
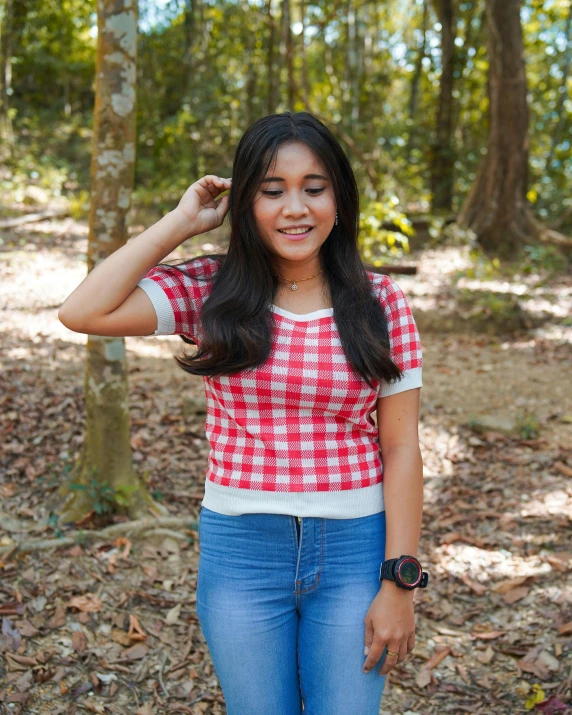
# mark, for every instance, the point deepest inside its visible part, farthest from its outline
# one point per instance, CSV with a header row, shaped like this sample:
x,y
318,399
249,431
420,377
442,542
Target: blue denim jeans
x,y
282,611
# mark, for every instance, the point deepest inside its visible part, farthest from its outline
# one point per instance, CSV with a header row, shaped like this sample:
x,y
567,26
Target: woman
x,y
305,496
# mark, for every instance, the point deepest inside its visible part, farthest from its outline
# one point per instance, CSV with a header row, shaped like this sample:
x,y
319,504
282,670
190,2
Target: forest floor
x,y
109,625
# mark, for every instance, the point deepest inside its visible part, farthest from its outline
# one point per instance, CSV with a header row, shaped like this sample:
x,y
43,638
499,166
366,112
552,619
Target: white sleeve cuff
x,y
165,314
409,380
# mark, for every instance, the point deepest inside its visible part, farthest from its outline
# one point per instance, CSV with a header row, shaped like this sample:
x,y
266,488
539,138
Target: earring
x,y
336,218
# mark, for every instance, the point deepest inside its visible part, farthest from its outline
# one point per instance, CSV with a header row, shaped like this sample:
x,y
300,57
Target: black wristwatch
x,y
405,571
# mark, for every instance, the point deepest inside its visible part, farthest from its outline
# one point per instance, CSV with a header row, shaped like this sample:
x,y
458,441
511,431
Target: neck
x,y
297,270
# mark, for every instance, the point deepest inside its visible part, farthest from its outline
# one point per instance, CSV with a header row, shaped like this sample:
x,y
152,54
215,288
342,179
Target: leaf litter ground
x,y
110,626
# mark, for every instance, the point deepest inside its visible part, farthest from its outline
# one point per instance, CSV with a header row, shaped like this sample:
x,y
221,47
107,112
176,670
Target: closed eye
x,y
313,192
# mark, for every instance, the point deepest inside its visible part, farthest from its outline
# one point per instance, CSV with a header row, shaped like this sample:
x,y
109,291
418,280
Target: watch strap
x,y
386,570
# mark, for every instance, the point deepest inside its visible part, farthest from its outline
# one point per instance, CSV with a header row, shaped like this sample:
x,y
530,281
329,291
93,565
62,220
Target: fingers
x,y
395,652
391,660
374,653
209,187
215,184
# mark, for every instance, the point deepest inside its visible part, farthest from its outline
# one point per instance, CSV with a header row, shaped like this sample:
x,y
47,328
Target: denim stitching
x,y
321,563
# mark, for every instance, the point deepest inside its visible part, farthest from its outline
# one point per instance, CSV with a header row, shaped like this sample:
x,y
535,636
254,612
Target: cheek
x,y
263,214
326,206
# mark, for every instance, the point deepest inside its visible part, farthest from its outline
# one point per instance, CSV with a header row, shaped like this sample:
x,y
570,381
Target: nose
x,y
295,205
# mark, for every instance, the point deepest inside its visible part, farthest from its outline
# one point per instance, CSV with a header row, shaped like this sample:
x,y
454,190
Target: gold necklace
x,y
294,286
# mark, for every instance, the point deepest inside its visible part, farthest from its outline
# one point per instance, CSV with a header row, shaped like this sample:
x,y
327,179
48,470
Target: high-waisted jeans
x,y
282,610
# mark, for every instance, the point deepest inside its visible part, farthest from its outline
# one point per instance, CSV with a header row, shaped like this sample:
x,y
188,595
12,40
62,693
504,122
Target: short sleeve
x,y
177,297
404,339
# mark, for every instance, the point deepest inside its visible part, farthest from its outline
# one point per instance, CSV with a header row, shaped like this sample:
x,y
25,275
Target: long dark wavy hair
x,y
236,319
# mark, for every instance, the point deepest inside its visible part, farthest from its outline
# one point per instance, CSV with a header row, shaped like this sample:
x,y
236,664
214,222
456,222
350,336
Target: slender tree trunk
x,y
560,112
443,155
6,131
496,207
305,80
288,53
350,68
273,76
251,72
189,35
106,451
416,79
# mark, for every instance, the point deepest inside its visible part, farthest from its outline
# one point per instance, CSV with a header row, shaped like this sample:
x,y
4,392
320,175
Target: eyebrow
x,y
308,176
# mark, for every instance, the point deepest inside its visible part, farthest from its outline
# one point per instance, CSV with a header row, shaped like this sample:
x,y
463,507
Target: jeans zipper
x,y
299,529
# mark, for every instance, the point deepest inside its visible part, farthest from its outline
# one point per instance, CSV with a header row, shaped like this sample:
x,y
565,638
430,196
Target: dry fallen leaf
x,y
173,615
486,635
516,594
486,656
566,629
509,584
136,632
121,637
136,652
79,641
126,543
89,602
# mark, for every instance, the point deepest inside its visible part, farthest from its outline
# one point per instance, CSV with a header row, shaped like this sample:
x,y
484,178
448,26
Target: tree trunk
x,y
288,53
251,72
6,131
559,110
272,82
305,79
496,207
189,35
106,451
443,155
415,81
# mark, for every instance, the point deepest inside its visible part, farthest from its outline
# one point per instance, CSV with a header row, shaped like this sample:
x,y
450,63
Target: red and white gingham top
x,y
295,435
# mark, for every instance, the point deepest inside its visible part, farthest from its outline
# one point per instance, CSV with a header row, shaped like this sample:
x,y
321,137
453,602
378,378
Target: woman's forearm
x,y
108,285
403,497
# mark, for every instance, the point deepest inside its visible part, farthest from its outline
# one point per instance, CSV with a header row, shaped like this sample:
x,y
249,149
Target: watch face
x,y
409,572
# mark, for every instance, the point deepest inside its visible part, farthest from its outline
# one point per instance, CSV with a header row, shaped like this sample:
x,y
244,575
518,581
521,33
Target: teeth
x,y
295,231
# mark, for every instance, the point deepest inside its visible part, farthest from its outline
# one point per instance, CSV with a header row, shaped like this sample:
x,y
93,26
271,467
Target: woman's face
x,y
296,191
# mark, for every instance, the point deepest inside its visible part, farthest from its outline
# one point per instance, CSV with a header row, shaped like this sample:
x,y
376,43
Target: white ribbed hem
x,y
409,380
344,504
165,315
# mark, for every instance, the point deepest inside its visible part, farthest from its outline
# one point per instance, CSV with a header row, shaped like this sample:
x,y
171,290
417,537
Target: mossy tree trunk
x,y
106,452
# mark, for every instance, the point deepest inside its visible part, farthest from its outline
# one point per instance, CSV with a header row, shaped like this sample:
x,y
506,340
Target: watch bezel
x,y
397,572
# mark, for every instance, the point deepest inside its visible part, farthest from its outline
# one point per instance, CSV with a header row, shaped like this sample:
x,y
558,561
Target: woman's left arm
x,y
390,622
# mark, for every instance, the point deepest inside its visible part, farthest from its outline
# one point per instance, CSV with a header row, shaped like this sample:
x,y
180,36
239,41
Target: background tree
x,y
497,209
443,154
104,476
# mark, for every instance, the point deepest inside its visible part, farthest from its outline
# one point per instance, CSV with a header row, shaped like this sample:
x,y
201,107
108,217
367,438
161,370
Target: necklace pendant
x,y
294,286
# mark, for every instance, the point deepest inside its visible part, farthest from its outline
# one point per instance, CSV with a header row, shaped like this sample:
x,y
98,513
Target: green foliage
x,y
543,258
104,498
79,205
482,267
194,102
53,522
376,241
528,426
494,312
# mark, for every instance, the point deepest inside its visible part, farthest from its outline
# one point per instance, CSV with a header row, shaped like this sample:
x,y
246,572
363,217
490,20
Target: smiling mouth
x,y
289,232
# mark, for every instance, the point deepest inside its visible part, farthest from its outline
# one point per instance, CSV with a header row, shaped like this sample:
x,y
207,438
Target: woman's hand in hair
x,y
199,206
